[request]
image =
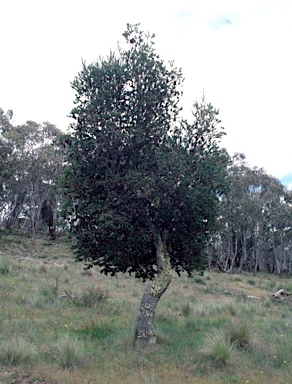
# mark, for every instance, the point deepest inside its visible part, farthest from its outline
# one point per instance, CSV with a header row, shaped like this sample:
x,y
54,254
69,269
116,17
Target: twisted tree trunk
x,y
146,330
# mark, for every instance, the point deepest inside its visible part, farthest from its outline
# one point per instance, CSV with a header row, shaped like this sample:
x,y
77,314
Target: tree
x,y
5,155
255,222
31,164
141,186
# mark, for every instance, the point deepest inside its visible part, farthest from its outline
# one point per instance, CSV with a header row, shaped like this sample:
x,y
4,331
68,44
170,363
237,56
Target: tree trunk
x,y
276,252
244,251
12,215
32,215
234,254
146,330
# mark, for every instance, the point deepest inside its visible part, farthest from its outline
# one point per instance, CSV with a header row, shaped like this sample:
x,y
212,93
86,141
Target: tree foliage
x,y
29,164
135,171
255,222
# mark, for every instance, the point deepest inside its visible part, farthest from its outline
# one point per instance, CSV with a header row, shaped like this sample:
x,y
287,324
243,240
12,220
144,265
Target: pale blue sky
x,y
236,51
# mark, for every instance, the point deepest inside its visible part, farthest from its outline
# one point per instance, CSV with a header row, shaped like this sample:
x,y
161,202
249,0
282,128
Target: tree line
x,y
252,228
255,222
29,164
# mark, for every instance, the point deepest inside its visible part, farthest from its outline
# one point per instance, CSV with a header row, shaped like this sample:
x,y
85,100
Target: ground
x,y
62,324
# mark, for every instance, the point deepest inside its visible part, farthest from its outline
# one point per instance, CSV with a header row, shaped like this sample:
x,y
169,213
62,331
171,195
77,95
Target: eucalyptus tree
x,y
7,163
5,147
33,163
140,185
42,163
255,221
240,213
277,220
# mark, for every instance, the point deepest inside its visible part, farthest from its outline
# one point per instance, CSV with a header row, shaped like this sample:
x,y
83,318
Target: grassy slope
x,y
209,330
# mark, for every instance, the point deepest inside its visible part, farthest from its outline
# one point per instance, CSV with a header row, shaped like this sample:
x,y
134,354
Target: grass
x,y
15,351
92,297
242,333
61,324
186,308
218,346
5,265
69,352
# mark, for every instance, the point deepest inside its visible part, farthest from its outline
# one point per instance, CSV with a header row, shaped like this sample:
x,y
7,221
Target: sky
x,y
236,52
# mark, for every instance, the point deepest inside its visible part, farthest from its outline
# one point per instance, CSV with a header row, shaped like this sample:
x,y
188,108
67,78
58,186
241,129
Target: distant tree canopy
x,y
141,185
255,225
28,165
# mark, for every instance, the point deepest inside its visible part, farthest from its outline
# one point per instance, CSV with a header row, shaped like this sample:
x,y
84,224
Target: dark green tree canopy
x,y
134,171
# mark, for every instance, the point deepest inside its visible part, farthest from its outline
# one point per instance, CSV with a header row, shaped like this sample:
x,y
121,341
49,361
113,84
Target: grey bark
x,y
146,330
234,253
244,251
